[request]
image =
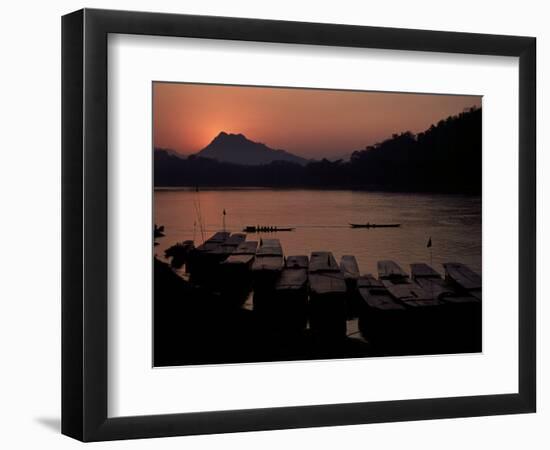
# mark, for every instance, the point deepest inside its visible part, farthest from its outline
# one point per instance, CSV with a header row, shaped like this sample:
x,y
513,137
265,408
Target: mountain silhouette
x,y
237,149
445,158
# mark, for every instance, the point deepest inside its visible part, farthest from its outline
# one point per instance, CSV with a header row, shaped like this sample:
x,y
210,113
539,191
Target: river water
x,y
321,220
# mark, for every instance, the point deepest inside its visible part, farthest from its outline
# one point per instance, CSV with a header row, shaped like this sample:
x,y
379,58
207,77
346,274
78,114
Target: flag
x,y
224,212
429,242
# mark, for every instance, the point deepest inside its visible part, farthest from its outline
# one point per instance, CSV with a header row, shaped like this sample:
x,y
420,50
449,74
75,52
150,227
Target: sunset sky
x,y
311,123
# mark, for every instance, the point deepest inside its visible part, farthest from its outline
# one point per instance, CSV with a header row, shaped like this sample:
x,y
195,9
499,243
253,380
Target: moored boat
x,y
289,303
463,278
202,260
266,269
350,269
425,318
422,270
382,319
228,246
390,270
236,271
327,296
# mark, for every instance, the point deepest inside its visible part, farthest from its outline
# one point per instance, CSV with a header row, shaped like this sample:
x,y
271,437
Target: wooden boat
x,y
327,296
270,246
219,237
432,282
229,245
235,261
266,269
288,308
266,229
376,295
202,261
236,275
464,278
460,317
411,295
269,256
219,253
390,270
422,270
425,319
246,248
243,255
350,269
374,225
382,320
297,262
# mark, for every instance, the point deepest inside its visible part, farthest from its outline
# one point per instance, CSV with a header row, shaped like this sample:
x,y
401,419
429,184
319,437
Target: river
x,y
321,220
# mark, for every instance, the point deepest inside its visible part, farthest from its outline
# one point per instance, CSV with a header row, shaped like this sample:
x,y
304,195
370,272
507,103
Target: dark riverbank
x,y
193,325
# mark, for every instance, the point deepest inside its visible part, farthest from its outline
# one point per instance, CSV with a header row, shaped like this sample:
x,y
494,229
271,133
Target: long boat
x,y
202,260
228,246
266,229
464,278
288,307
423,270
350,269
374,225
382,319
327,296
390,270
266,269
236,272
461,310
425,318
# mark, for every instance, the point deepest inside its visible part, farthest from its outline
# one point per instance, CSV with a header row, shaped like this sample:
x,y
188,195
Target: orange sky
x,y
312,123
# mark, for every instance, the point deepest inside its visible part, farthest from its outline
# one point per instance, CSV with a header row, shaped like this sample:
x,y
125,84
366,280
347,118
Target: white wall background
x,y
30,230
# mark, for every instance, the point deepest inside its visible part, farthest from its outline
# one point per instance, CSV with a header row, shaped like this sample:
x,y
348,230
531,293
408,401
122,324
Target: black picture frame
x,y
84,224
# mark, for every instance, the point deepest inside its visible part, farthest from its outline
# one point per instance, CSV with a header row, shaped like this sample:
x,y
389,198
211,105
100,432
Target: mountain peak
x,y
224,136
237,148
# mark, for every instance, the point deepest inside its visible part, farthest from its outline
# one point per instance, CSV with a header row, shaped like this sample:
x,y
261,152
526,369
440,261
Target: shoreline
x,y
188,188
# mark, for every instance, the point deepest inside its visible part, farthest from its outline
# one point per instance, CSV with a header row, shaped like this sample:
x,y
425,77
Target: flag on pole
x,y
429,242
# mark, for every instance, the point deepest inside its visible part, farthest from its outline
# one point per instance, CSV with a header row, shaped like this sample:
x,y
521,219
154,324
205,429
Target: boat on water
x,y
390,270
236,272
266,229
350,269
266,269
464,278
202,260
461,312
422,270
374,225
382,319
289,305
327,300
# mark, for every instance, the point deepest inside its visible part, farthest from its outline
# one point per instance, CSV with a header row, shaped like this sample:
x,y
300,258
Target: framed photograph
x,y
273,224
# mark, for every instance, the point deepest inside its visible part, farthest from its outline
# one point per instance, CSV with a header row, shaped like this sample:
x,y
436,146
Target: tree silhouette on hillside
x,y
444,158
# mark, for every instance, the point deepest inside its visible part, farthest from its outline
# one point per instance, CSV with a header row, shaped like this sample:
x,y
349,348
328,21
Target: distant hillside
x,y
171,152
445,158
237,149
